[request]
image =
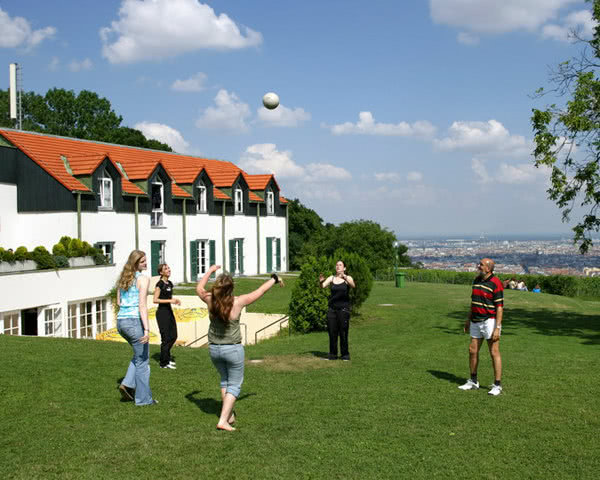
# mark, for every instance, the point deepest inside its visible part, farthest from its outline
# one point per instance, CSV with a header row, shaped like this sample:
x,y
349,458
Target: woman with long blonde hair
x,y
132,324
224,336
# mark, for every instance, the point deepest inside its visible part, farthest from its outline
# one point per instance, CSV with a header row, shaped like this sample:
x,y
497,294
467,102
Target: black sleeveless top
x,y
166,293
340,296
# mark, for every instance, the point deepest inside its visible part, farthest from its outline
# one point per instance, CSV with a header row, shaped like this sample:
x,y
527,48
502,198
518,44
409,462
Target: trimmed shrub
x,y
59,249
21,254
61,261
43,259
308,306
87,249
76,248
7,256
99,258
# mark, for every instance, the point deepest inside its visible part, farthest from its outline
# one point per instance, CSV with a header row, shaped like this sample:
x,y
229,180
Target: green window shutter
x,y
212,255
194,260
278,253
154,252
231,257
269,254
241,250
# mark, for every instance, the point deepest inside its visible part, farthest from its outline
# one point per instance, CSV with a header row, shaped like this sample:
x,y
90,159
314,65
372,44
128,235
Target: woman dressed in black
x,y
163,296
338,315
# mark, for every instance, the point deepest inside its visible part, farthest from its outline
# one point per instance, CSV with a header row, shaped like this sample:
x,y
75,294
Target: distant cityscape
x,y
549,256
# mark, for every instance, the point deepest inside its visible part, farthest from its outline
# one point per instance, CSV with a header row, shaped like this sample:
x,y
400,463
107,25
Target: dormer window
x,y
201,202
270,202
239,201
158,203
106,192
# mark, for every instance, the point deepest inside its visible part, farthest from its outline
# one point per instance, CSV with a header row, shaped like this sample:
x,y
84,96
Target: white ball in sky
x,y
271,100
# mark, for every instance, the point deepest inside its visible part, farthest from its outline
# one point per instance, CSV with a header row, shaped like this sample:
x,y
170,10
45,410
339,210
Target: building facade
x,y
186,211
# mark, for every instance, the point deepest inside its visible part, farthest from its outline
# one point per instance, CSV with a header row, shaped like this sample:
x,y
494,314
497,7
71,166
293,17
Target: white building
x,y
186,211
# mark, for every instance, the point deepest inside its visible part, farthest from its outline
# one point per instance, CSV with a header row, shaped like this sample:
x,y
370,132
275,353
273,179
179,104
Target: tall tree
x,y
84,115
567,137
304,223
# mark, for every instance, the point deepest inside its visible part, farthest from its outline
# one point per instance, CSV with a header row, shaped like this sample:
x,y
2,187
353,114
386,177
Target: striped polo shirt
x,y
487,295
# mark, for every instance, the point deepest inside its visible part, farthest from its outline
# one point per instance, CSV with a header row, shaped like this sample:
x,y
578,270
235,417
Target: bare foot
x,y
226,427
231,420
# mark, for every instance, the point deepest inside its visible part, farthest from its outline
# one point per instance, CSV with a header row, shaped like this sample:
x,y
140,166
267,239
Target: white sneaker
x,y
470,385
172,367
495,390
172,363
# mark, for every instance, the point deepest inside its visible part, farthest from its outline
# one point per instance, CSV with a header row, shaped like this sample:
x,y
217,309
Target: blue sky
x,y
414,114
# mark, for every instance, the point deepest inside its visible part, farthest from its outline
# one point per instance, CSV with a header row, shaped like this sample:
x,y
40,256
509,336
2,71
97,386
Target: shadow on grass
x,y
549,322
449,377
317,354
156,357
210,405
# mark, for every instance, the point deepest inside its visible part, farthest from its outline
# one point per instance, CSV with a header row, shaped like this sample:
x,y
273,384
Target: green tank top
x,y
220,333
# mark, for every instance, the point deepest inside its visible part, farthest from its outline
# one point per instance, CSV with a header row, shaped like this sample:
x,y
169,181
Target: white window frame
x,y
98,318
108,250
15,317
201,204
158,213
203,256
53,321
106,187
239,201
270,202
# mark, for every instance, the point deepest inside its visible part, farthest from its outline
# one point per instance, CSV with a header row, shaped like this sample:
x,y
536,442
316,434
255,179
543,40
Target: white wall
x,y
45,287
8,215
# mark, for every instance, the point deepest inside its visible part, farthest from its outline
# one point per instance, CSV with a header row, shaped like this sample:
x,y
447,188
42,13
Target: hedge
x,y
568,286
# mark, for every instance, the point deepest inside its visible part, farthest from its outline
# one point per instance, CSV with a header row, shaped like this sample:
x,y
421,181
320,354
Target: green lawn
x,y
392,412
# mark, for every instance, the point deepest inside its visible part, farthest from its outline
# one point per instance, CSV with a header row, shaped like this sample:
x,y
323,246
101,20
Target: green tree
x,y
84,115
403,259
567,137
363,237
303,224
308,305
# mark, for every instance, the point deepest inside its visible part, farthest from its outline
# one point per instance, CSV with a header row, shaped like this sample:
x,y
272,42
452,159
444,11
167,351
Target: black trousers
x,y
338,324
168,333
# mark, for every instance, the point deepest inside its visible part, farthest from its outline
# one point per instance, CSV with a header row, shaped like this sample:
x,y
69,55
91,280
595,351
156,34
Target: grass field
x,y
392,412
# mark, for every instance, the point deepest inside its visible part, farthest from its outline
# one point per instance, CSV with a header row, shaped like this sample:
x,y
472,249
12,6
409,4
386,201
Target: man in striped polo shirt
x,y
485,321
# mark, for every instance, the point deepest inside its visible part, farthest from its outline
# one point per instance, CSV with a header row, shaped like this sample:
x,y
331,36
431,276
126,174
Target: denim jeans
x,y
229,361
138,372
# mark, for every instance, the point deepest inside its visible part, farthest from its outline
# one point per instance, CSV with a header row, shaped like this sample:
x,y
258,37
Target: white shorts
x,y
483,329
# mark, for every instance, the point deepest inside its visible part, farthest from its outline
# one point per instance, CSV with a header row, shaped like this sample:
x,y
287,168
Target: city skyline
x,y
411,114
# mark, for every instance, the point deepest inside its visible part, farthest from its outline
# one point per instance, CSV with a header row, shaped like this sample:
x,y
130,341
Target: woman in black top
x,y
338,315
163,296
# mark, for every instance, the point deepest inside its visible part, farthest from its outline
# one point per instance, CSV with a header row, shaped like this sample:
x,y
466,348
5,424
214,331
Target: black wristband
x,y
275,277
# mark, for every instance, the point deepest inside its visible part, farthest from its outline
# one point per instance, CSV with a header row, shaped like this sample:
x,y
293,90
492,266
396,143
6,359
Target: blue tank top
x,y
130,300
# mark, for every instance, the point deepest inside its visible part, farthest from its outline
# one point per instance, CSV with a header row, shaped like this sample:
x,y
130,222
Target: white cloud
x,y
228,114
366,125
580,22
327,194
157,29
485,138
164,133
265,158
519,174
412,195
283,116
467,38
387,177
76,66
193,84
54,64
414,177
493,16
17,32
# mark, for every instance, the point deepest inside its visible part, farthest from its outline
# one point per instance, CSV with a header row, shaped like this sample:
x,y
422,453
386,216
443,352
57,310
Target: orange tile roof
x,y
84,156
282,199
254,197
219,195
259,182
